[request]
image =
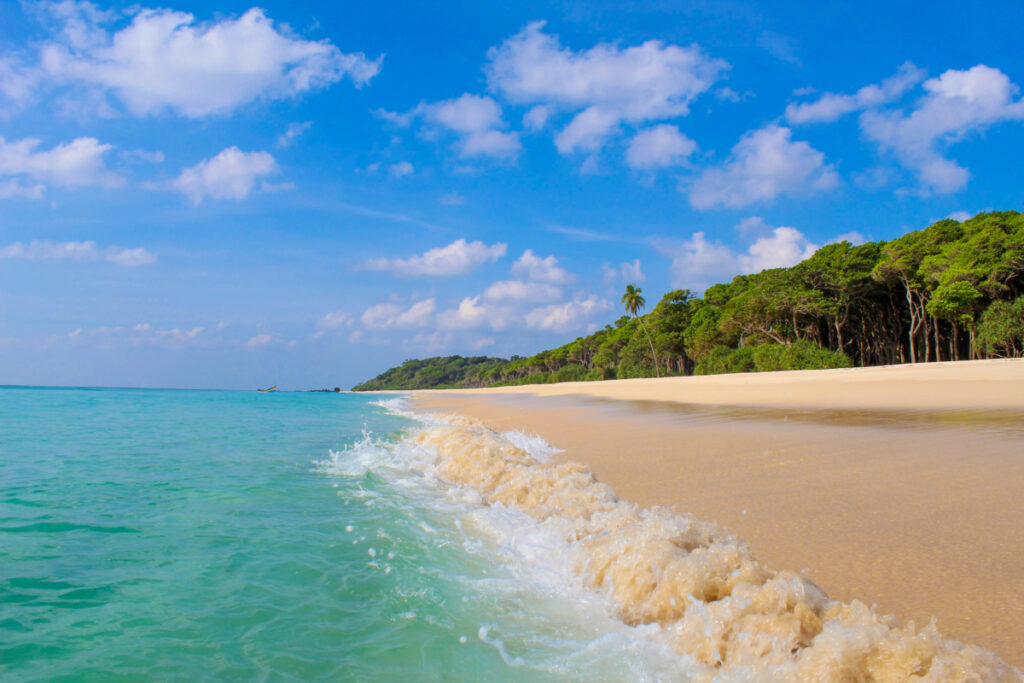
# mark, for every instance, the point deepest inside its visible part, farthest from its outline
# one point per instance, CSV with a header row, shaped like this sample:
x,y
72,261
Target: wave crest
x,y
716,603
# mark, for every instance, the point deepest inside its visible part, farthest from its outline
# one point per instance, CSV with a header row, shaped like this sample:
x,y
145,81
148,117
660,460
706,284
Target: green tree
x,y
1001,330
634,303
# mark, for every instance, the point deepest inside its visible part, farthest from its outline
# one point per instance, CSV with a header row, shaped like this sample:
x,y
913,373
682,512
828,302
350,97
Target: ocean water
x,y
285,536
234,535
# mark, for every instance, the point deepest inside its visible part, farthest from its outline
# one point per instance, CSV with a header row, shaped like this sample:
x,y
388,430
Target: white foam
x,y
533,444
665,597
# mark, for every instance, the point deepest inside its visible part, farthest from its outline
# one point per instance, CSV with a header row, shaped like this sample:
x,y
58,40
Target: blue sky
x,y
307,193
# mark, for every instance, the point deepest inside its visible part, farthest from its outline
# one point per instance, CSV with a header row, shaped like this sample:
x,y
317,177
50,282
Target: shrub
x,y
571,373
800,355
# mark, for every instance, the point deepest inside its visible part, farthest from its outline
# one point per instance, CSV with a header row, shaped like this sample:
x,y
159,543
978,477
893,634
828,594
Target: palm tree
x,y
634,302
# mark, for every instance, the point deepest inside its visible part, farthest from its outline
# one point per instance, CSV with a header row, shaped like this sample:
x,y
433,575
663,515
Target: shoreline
x,y
900,487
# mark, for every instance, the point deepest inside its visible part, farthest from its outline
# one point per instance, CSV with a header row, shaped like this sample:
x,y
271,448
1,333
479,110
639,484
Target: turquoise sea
x,y
208,535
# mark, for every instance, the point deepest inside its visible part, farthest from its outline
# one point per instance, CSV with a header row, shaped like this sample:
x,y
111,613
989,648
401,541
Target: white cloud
x,y
764,164
400,170
518,291
17,83
334,320
164,60
659,146
961,216
831,106
956,103
292,132
570,316
537,117
232,174
639,83
390,316
471,314
258,340
11,189
532,267
727,94
783,247
475,119
628,272
79,163
606,84
699,262
458,258
43,250
587,131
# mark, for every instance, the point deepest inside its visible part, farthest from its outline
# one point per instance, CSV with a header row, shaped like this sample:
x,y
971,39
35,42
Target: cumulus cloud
x,y
532,267
628,272
392,316
587,131
764,164
476,121
955,104
785,246
537,117
659,146
648,81
458,258
79,163
232,174
165,61
44,250
606,84
472,314
569,316
700,262
831,106
518,291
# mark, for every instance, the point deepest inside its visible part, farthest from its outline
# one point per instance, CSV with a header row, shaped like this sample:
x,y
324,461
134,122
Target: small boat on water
x,y
264,391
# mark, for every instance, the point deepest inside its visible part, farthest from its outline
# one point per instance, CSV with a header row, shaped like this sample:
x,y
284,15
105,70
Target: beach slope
x,y
900,486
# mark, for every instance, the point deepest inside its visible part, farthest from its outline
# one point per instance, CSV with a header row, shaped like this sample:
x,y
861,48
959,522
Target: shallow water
x,y
285,536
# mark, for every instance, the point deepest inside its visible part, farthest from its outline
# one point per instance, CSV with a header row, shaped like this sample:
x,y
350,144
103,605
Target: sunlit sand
x,y
898,486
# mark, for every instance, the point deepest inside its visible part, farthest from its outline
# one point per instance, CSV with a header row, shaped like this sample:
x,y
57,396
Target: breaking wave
x,y
726,614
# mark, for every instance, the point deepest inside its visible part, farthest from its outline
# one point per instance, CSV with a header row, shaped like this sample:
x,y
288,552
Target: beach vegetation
x,y
951,291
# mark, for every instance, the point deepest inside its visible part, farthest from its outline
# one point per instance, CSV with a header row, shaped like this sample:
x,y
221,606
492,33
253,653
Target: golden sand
x,y
909,505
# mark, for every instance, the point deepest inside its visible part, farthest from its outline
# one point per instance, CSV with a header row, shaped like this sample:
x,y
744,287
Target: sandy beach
x,y
899,486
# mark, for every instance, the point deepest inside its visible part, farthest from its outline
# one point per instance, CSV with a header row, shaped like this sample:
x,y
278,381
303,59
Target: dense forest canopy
x,y
951,291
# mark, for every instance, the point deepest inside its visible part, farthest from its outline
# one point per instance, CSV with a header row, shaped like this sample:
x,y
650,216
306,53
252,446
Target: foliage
x,y
950,291
1001,332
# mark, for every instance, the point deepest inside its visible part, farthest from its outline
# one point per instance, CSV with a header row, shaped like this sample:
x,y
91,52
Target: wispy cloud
x,y
45,250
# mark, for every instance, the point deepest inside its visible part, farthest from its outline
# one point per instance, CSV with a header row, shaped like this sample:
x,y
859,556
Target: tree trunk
x,y
657,370
913,322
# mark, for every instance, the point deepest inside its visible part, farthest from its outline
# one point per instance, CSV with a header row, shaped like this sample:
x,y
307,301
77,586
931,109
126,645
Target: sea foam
x,y
727,615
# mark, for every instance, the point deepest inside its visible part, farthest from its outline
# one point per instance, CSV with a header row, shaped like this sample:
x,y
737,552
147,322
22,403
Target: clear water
x,y
214,535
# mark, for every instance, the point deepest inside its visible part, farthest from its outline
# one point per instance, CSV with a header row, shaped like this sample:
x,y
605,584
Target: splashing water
x,y
725,613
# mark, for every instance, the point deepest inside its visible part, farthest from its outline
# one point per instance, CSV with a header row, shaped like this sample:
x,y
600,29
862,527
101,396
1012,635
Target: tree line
x,y
951,291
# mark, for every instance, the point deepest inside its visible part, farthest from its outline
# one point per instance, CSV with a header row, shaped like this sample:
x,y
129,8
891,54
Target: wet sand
x,y
901,487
